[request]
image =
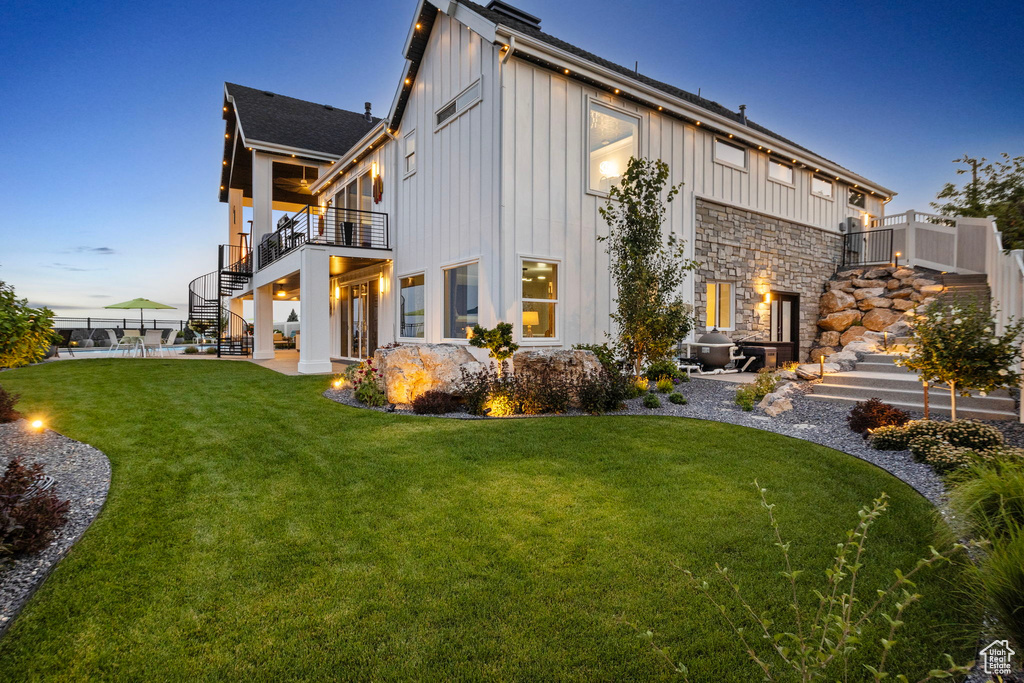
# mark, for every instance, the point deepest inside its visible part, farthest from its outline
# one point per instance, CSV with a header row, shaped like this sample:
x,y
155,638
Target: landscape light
x,y
36,425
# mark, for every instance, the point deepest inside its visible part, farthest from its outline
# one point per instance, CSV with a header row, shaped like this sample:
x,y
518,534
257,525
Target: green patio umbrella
x,y
141,304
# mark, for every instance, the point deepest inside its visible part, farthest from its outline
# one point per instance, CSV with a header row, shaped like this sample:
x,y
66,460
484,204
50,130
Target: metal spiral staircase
x,y
207,298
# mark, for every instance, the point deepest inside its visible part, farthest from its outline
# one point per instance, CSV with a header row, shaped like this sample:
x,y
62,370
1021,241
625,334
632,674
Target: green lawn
x,y
256,530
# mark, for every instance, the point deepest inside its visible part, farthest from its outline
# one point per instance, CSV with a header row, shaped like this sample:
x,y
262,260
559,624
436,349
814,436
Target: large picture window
x,y
540,300
612,138
412,301
720,306
461,295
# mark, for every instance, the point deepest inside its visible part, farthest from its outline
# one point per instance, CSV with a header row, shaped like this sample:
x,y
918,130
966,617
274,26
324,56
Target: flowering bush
x,y
366,384
929,427
973,435
665,385
945,457
956,345
888,438
924,445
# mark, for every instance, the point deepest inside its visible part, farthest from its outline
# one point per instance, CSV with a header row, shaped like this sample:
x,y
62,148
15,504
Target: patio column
x,y
315,311
262,196
263,322
235,216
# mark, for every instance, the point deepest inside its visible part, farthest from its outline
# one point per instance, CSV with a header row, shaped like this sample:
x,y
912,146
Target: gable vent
x,y
514,13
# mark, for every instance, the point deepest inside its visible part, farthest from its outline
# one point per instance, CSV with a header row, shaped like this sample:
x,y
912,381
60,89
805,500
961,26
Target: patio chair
x,y
169,337
65,342
116,344
153,340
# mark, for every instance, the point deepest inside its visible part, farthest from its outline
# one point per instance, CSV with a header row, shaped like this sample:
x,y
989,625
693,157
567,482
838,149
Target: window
x,y
821,186
466,99
857,198
412,301
720,306
730,154
461,292
780,172
540,299
612,138
410,153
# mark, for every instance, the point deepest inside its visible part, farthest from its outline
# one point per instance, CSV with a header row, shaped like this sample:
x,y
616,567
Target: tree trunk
x,y
952,401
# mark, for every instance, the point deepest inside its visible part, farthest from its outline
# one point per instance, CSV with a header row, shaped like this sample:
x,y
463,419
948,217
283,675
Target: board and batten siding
x,y
549,213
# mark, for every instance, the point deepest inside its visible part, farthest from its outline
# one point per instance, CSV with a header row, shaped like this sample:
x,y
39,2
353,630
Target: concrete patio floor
x,y
285,361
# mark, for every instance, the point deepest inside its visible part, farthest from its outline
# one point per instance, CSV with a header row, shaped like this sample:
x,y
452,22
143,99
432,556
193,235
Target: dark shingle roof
x,y
708,105
269,117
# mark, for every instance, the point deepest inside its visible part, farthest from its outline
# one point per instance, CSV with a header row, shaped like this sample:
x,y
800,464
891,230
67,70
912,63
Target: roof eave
x,y
356,151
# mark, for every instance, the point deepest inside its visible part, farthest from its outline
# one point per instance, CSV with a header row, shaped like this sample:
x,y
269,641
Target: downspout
x,y
501,173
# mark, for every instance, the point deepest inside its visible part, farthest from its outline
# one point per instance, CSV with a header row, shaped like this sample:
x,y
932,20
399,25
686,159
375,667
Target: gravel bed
x,y
82,477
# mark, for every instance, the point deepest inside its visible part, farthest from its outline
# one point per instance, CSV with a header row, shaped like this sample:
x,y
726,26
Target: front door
x,y
785,325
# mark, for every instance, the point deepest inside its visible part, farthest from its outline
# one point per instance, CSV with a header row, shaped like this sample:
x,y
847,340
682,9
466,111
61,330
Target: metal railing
x,y
235,259
89,323
870,247
330,226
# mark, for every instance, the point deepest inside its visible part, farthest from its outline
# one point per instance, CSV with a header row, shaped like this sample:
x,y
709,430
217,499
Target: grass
x,y
255,530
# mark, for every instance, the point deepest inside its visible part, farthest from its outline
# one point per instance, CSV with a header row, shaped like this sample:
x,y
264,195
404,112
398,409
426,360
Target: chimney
x,y
368,116
743,114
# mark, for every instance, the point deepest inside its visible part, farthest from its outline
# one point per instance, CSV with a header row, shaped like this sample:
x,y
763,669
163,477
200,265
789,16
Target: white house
x,y
475,200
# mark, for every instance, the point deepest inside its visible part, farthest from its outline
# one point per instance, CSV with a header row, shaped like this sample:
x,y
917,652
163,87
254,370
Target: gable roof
x,y
264,116
533,31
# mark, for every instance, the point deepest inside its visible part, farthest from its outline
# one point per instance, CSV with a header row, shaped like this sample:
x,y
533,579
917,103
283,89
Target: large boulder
x,y
839,321
877,273
893,284
878,319
835,300
846,360
562,362
846,274
904,293
831,338
813,370
868,292
900,328
874,302
412,369
923,282
903,273
903,304
853,334
864,283
930,290
819,351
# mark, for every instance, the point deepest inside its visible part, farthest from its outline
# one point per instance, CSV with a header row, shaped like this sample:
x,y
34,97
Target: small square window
x,y
821,186
857,198
781,172
730,154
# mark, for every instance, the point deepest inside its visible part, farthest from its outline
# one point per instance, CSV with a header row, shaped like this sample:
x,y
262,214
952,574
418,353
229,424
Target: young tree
x,y
25,333
293,317
995,189
497,341
648,268
956,344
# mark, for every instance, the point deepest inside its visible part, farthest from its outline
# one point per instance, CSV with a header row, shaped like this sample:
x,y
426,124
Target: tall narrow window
x,y
612,138
720,306
411,307
540,299
461,295
410,153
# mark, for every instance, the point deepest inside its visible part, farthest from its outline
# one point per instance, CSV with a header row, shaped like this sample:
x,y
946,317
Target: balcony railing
x,y
865,248
235,259
329,226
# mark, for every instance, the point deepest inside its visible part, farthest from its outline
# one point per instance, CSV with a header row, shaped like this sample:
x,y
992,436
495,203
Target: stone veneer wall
x,y
758,253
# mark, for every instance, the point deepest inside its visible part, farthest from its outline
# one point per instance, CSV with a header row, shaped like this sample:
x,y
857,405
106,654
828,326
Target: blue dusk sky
x,y
111,132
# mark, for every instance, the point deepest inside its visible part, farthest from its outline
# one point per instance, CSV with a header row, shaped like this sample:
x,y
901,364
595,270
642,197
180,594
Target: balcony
x,y
914,238
326,226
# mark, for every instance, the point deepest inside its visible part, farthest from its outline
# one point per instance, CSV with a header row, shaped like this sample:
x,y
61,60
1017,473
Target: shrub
x,y
677,398
474,388
945,457
746,397
605,355
665,385
435,402
637,388
368,393
652,401
212,351
25,333
1002,576
1005,455
599,392
498,341
191,350
916,428
545,392
663,368
991,498
832,629
973,435
28,518
873,413
7,403
888,438
923,445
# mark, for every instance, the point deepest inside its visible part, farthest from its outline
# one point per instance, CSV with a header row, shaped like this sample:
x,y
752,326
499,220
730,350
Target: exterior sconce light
x,y
374,170
380,284
767,297
280,291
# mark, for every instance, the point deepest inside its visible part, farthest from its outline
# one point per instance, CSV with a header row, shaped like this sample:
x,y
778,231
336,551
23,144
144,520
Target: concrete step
x,y
880,368
910,392
962,412
953,278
